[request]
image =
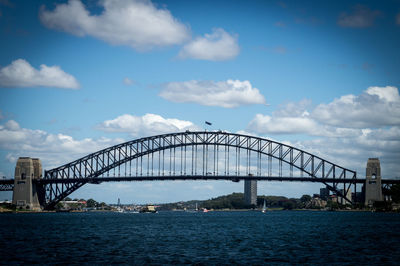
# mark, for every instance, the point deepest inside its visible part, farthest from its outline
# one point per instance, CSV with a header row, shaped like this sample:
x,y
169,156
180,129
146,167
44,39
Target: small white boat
x,y
264,209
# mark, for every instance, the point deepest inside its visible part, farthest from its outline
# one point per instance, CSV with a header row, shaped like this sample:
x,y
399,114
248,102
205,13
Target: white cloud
x,y
52,149
21,74
128,82
217,46
292,118
304,124
344,117
388,93
147,125
282,125
375,107
228,94
362,17
347,131
139,24
354,152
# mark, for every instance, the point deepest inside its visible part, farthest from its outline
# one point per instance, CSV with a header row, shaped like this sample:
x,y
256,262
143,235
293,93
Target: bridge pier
x,y
373,182
25,193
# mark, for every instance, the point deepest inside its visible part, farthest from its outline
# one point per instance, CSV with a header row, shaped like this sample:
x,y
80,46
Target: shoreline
x,y
218,210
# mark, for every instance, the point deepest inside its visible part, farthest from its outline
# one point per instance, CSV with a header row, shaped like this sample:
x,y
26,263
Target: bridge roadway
x,y
98,180
8,184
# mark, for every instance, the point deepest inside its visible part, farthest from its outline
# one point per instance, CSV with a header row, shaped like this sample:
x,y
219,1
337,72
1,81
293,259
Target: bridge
x,y
190,156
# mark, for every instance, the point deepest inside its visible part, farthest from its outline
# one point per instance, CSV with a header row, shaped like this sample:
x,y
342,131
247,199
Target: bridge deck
x,y
199,177
6,181
211,177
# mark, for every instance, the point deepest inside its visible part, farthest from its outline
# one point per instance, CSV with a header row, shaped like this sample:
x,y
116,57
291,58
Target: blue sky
x,y
77,76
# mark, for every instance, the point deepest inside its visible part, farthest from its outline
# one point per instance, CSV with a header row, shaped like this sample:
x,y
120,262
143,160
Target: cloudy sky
x,y
78,76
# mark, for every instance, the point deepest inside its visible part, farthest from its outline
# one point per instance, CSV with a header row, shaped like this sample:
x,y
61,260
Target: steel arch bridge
x,y
194,156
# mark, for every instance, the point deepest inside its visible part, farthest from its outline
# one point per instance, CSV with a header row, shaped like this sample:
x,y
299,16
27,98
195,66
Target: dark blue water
x,y
284,237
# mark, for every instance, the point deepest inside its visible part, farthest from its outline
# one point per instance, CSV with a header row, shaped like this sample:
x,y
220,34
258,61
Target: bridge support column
x,y
373,183
25,193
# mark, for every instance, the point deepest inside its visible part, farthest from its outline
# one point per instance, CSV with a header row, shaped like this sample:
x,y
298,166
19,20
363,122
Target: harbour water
x,y
281,237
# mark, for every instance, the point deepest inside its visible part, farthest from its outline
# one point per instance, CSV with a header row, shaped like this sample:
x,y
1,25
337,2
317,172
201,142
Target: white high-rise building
x,y
341,200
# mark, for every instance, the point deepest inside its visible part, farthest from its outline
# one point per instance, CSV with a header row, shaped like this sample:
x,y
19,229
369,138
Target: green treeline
x,y
232,201
236,201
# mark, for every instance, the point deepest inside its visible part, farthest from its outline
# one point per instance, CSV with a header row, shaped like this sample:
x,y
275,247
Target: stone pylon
x,y
373,182
25,193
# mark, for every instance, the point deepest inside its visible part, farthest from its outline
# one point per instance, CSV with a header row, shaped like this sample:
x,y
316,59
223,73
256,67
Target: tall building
x,y
324,193
250,192
348,195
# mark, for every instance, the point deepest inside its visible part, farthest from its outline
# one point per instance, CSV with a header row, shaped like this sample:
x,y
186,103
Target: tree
x,y
289,205
395,193
305,198
332,205
382,206
59,206
91,203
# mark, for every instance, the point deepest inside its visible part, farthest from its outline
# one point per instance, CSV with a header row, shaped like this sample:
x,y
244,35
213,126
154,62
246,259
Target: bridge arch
x,y
207,155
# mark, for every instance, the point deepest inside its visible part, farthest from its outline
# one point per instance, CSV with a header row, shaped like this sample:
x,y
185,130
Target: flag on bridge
x,y
208,123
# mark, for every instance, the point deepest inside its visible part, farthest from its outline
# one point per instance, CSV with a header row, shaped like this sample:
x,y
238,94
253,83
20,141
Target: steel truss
x,y
7,185
196,156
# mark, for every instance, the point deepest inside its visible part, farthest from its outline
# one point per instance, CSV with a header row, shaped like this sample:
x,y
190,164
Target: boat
x,y
264,208
148,209
193,210
120,210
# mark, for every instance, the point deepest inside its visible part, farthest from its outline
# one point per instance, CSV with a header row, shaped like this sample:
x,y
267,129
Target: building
x,y
358,197
317,202
348,195
250,192
324,193
72,205
333,198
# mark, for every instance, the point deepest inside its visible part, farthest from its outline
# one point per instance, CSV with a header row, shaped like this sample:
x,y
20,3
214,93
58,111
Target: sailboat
x,y
264,208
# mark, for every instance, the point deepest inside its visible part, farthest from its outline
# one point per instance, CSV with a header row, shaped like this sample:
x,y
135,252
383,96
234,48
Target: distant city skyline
x,y
79,76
